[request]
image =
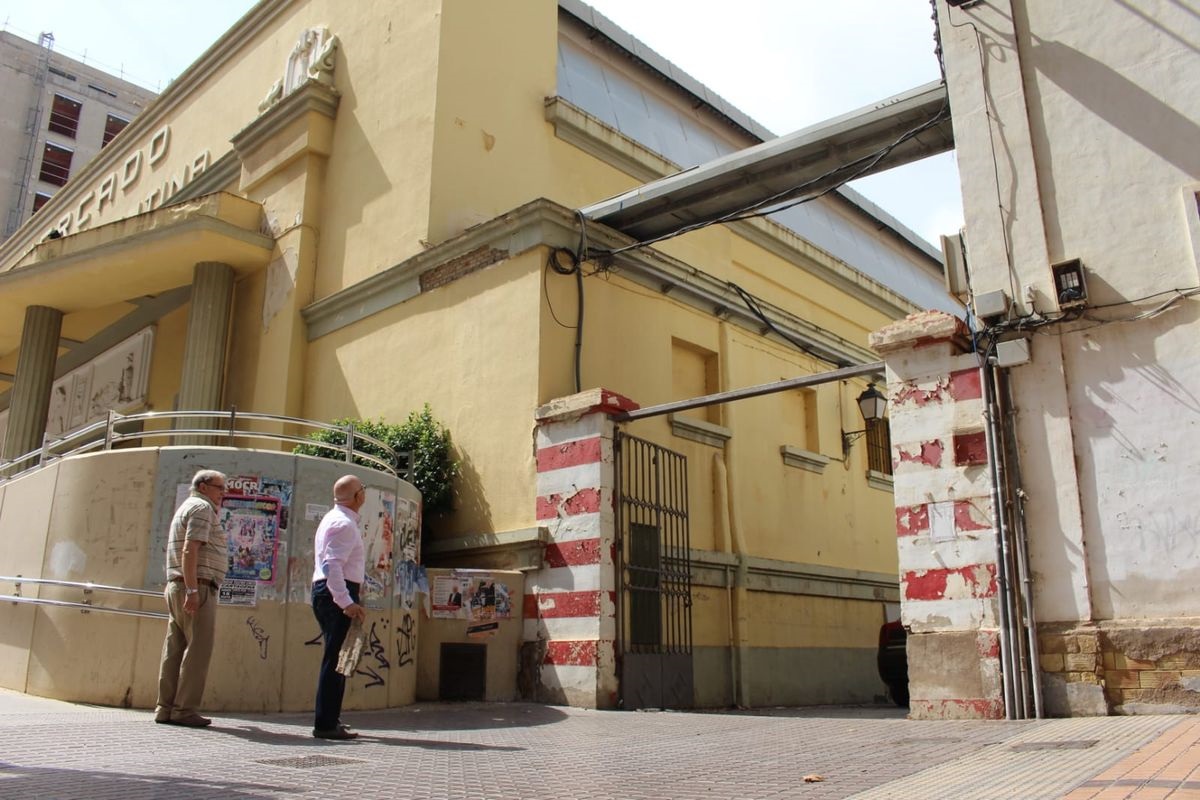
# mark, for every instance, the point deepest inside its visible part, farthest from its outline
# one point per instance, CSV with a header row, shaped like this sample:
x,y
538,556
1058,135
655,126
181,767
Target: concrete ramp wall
x,y
103,518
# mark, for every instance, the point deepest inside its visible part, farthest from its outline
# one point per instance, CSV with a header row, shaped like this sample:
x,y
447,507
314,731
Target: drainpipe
x,y
741,593
995,464
721,519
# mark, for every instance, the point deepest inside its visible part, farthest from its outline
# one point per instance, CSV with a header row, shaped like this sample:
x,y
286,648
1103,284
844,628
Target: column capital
x,y
924,329
590,401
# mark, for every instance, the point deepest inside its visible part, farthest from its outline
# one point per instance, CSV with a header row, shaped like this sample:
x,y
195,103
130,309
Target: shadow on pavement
x,y
47,782
302,738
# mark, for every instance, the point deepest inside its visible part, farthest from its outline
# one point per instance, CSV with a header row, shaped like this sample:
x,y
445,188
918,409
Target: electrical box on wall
x,y
1070,287
990,305
1012,353
954,266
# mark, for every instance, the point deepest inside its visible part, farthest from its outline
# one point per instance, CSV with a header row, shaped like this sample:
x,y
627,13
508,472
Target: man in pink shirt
x,y
340,567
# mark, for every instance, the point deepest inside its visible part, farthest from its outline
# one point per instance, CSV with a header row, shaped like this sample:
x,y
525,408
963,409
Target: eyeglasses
x,y
217,486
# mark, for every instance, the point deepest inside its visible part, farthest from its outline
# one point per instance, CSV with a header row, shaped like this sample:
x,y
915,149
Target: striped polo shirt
x,y
196,520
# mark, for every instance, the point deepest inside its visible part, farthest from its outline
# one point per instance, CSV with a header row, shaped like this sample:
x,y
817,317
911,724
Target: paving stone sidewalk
x,y
529,752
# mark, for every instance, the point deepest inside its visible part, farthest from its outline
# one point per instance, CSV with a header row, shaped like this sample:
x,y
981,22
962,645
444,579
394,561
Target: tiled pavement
x,y
58,750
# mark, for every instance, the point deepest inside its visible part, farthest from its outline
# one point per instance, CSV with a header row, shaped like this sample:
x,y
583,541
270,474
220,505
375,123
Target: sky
x,y
788,64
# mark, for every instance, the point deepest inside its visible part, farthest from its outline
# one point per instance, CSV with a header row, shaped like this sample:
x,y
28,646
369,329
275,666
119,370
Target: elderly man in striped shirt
x,y
197,559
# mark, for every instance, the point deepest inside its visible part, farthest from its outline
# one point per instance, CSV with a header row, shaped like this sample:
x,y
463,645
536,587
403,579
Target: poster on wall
x,y
251,524
238,593
377,519
471,595
408,529
446,597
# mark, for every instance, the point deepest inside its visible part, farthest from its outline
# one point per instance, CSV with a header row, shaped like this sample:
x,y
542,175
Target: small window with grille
x,y
879,446
112,126
56,164
64,116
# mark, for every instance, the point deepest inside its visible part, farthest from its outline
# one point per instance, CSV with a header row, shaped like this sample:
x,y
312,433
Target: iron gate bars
x,y
654,614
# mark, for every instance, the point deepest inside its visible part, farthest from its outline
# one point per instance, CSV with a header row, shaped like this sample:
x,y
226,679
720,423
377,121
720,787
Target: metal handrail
x,y
84,607
228,424
87,587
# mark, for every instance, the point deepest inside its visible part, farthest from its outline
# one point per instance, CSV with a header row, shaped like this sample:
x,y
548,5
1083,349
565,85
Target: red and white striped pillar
x,y
944,523
570,603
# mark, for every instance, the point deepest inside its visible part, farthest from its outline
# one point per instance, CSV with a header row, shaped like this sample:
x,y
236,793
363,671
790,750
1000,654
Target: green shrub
x,y
432,468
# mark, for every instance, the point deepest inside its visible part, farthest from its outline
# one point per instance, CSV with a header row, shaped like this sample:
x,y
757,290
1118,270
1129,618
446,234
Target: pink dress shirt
x,y
339,553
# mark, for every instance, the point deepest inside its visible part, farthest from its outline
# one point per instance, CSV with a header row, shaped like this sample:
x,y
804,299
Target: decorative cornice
x,y
544,223
880,480
577,127
803,459
699,431
311,96
520,549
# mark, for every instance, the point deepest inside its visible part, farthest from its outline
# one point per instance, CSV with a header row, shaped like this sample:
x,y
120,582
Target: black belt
x,y
209,581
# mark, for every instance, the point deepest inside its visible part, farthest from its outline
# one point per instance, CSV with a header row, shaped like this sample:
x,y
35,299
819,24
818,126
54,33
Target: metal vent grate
x,y
1067,744
310,762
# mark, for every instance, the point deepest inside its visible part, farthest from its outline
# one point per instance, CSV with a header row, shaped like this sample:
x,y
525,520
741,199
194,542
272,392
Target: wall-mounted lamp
x,y
872,403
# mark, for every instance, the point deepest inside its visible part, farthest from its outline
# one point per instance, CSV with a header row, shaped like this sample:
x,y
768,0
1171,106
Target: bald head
x,y
348,491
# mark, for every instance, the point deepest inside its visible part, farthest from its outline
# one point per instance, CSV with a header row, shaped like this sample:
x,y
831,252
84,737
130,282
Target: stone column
x,y
944,523
35,376
570,603
203,375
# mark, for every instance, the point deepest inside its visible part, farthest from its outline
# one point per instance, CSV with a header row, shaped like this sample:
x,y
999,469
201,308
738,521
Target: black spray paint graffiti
x,y
316,640
259,635
406,640
375,650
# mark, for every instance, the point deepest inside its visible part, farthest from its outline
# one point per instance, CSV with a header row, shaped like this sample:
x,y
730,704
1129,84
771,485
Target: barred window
x,y
56,164
879,446
112,126
64,116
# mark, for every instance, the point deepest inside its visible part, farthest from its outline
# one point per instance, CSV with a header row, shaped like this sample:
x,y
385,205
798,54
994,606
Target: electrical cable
x,y
554,262
752,303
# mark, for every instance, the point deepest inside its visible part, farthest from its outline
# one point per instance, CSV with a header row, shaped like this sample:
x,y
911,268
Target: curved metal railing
x,y
230,425
86,605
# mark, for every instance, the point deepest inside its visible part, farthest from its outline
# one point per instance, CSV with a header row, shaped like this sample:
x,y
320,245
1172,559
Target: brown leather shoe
x,y
192,721
338,734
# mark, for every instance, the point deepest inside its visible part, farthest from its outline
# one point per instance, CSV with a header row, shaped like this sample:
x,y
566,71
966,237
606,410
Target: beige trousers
x,y
186,652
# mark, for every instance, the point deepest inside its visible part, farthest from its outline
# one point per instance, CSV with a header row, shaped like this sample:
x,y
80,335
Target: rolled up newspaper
x,y
352,649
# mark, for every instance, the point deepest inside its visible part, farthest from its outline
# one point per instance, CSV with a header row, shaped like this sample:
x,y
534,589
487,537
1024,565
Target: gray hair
x,y
206,476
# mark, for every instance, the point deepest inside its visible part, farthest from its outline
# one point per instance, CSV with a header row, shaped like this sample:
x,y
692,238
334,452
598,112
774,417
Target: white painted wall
x,y
1076,138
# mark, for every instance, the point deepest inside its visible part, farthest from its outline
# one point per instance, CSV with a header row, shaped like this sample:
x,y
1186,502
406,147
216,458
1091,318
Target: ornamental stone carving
x,y
312,59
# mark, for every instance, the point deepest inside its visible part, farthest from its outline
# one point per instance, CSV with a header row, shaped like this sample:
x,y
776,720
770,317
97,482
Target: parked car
x,y
893,660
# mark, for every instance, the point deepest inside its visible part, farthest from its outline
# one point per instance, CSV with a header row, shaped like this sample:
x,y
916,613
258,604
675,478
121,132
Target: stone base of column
x,y
955,675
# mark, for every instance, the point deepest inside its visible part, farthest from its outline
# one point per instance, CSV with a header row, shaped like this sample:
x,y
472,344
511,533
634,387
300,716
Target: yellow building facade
x,y
338,211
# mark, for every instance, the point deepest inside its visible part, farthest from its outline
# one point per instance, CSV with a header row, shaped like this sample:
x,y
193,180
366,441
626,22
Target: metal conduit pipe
x,y
991,429
1025,574
1019,658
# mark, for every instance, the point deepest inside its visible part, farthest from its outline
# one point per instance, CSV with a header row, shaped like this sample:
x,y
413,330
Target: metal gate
x,y
654,578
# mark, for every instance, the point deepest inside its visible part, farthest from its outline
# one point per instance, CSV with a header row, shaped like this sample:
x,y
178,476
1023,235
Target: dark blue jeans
x,y
331,685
